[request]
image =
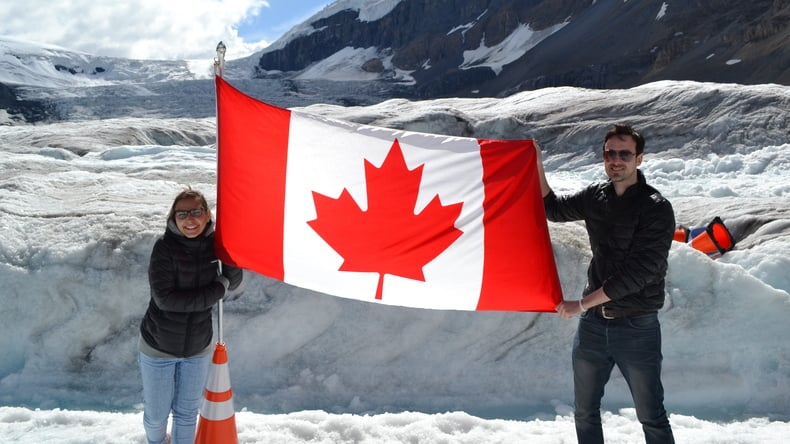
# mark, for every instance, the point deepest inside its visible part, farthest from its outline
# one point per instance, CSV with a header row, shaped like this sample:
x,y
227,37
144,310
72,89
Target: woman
x,y
176,331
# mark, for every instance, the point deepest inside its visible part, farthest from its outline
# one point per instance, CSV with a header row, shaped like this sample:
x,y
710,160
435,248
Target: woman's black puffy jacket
x,y
182,275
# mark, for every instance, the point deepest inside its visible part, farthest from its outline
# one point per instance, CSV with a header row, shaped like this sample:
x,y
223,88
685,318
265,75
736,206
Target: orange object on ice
x,y
217,422
681,234
715,240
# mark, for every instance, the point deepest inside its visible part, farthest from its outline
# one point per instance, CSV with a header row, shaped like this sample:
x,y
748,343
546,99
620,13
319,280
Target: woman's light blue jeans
x,y
172,384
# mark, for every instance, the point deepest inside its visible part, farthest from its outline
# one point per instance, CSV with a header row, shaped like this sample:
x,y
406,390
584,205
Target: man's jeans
x,y
172,384
634,345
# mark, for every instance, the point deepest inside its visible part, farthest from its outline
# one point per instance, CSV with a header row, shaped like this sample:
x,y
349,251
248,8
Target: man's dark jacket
x,y
630,237
183,279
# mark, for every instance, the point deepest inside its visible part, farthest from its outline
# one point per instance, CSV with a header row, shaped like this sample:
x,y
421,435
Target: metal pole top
x,y
219,61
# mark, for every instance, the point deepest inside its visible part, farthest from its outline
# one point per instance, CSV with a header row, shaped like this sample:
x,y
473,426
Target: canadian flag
x,y
381,215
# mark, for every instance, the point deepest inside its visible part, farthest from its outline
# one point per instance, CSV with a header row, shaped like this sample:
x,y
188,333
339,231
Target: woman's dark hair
x,y
187,193
626,130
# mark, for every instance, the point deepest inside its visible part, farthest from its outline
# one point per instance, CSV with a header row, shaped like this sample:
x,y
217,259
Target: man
x,y
630,227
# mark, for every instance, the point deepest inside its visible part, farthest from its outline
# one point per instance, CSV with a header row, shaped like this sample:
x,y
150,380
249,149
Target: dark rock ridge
x,y
25,110
603,44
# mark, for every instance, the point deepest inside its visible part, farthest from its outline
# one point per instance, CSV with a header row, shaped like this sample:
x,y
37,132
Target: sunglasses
x,y
183,214
624,155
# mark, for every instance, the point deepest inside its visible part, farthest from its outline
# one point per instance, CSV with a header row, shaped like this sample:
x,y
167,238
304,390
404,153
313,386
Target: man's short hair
x,y
626,130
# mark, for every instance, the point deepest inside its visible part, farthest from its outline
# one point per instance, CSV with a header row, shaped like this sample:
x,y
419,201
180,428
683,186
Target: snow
x,y
24,426
342,65
518,43
662,12
81,203
467,26
346,65
33,64
369,10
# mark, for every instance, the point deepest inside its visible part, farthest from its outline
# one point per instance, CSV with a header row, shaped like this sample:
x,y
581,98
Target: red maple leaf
x,y
387,238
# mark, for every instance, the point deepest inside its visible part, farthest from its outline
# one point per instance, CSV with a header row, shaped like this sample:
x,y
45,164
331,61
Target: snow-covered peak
x,y
45,65
369,11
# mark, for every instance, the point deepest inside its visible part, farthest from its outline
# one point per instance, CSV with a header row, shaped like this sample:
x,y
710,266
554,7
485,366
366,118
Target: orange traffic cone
x,y
681,234
217,423
715,240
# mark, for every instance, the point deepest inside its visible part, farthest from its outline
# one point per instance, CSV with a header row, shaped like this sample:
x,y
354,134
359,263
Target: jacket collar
x,y
640,182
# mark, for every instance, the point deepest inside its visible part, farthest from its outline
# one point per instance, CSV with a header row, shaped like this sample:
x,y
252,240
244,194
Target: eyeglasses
x,y
624,155
183,214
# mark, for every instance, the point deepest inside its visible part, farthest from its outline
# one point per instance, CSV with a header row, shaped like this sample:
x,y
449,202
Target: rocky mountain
x,y
471,48
361,52
42,82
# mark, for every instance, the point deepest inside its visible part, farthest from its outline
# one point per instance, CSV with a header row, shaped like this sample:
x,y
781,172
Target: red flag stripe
x,y
261,132
515,222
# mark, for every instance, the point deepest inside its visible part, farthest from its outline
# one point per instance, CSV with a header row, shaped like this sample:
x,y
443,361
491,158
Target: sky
x,y
82,202
153,29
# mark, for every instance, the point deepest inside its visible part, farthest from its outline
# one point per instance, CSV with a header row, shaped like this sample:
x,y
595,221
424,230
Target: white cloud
x,y
138,29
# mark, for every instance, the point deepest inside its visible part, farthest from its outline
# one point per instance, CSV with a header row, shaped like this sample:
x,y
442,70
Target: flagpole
x,y
219,70
217,422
